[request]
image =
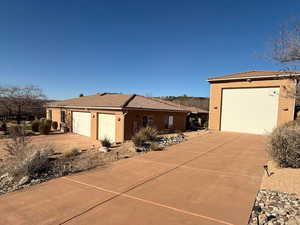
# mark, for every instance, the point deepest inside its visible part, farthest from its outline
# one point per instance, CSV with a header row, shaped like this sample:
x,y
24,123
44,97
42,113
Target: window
x,y
49,114
63,116
147,121
169,122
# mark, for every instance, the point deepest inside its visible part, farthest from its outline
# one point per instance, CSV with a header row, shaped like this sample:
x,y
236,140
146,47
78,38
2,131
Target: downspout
x,y
126,112
124,116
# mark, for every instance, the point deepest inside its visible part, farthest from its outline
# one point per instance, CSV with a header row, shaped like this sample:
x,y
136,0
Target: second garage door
x,y
81,123
106,127
249,110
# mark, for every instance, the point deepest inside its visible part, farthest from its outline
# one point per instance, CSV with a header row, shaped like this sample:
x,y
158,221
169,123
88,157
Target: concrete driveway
x,y
211,179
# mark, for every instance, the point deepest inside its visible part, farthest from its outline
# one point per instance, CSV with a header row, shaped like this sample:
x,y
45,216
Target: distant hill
x,y
199,102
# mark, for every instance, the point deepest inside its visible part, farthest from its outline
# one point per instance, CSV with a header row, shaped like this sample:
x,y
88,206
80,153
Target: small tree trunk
x,y
19,115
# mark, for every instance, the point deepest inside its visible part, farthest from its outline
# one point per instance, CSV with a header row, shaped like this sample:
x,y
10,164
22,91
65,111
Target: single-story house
x,y
116,116
252,102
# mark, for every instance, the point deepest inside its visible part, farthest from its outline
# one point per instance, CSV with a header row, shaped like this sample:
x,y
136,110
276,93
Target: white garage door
x,y
249,110
106,127
81,123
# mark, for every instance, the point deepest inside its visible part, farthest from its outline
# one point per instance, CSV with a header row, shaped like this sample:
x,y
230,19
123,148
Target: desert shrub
x,y
35,125
139,139
54,125
150,133
45,126
26,159
106,142
16,131
72,152
17,145
284,145
34,162
154,146
143,135
67,165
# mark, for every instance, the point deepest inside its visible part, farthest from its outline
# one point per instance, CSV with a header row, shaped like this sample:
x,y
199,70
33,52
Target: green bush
x,y
49,123
284,145
64,127
3,126
35,125
45,126
16,131
54,125
205,124
106,142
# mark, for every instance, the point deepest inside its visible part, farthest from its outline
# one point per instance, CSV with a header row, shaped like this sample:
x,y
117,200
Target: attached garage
x,y
251,102
107,127
81,123
117,116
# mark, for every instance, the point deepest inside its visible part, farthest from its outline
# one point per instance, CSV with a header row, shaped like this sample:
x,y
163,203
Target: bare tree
x,y
286,46
285,50
16,100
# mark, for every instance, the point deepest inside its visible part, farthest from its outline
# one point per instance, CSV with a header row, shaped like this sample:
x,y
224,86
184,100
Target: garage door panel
x,y
106,127
249,110
81,123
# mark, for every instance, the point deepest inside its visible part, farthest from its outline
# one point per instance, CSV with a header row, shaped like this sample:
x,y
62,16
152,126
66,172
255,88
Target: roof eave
x,y
85,107
252,77
153,109
114,108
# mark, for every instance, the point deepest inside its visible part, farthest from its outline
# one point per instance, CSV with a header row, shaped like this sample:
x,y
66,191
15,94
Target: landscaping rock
x,y
276,208
141,149
23,180
165,141
6,183
103,149
35,181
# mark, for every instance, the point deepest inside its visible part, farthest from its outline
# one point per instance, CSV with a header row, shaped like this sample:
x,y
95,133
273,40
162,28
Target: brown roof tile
x,y
96,100
124,101
262,74
188,108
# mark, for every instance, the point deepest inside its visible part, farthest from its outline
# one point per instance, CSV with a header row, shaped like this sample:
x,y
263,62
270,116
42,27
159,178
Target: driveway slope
x,y
210,179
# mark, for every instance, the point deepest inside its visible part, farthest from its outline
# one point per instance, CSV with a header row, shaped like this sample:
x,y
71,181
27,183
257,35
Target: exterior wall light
x,y
267,170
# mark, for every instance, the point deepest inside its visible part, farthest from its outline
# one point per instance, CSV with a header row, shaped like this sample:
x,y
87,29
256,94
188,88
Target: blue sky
x,y
144,47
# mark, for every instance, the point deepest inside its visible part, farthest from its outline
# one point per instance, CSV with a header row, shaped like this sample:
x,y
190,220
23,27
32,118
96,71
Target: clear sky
x,y
68,47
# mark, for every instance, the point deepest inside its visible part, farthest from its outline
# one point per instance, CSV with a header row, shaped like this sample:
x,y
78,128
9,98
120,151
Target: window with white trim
x,y
169,122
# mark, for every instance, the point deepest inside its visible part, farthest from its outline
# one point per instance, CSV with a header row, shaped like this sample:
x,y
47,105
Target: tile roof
x,y
259,74
120,101
188,108
96,100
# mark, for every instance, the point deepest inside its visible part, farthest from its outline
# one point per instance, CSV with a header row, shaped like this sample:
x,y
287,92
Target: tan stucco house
x,y
252,102
116,116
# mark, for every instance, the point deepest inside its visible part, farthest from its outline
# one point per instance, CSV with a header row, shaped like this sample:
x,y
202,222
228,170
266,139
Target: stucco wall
x,y
55,114
94,120
158,120
124,120
286,104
